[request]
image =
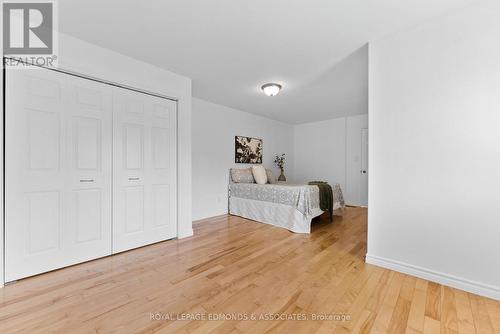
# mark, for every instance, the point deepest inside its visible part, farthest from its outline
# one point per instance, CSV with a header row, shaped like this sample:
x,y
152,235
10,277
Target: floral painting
x,y
247,150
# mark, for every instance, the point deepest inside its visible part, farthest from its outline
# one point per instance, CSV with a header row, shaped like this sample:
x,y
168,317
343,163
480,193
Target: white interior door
x,y
364,168
145,175
57,171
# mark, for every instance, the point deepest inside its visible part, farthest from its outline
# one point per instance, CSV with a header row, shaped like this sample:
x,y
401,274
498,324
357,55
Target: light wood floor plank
x,y
433,304
400,315
417,309
431,326
449,322
482,320
494,313
464,313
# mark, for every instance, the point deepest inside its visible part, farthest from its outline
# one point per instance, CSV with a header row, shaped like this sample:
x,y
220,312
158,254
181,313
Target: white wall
x,y
214,127
82,57
435,150
320,151
331,151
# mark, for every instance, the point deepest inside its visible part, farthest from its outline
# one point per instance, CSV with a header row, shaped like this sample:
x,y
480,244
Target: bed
x,y
290,206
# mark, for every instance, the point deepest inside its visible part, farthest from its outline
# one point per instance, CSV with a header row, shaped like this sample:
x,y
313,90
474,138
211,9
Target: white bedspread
x,y
291,206
276,214
304,198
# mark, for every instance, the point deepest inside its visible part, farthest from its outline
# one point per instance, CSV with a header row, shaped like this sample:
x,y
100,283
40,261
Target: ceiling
x,y
229,48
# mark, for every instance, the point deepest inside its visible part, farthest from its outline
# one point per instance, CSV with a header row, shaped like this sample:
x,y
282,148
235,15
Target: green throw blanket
x,y
325,196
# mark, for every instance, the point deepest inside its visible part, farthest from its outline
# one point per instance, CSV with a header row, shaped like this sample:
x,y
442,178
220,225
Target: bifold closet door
x,y
144,169
58,151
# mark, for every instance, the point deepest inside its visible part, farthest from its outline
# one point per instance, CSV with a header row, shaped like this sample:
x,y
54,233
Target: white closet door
x,y
57,171
144,168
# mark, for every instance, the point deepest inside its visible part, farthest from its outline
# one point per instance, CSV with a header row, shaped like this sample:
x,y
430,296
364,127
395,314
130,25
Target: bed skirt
x,y
276,214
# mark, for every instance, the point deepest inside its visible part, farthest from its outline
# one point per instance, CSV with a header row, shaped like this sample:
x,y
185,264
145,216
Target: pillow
x,y
259,174
270,176
242,175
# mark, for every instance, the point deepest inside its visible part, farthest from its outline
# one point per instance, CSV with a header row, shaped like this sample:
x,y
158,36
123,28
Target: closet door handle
x,y
134,178
87,180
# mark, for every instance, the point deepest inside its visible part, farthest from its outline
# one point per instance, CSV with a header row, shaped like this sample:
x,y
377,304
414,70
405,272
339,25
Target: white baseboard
x,y
477,288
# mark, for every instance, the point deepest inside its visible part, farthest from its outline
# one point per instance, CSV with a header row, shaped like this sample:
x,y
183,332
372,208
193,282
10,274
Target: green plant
x,y
279,160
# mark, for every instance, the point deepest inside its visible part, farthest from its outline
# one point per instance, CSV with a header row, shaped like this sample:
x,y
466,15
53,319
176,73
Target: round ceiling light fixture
x,y
271,89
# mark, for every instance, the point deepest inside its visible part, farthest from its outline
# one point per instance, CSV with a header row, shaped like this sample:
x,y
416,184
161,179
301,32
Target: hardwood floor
x,y
238,267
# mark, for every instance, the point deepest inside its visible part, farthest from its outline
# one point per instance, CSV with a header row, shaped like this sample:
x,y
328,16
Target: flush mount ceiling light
x,y
271,89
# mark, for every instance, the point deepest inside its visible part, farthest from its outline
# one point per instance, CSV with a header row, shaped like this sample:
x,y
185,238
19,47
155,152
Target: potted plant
x,y
279,160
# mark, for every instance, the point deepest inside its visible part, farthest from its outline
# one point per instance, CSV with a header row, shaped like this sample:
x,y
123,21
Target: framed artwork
x,y
247,150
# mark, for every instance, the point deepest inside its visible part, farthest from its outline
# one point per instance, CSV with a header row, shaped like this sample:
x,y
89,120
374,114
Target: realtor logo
x,y
28,28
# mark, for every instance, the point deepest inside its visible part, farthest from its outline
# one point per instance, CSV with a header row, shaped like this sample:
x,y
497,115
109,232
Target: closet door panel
x,y
133,197
133,147
43,222
34,174
44,137
161,206
89,171
88,143
55,139
163,164
144,170
88,219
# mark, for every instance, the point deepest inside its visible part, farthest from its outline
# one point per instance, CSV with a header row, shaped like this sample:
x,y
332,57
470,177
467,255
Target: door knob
x,y
363,171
